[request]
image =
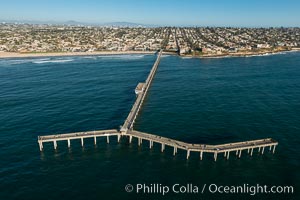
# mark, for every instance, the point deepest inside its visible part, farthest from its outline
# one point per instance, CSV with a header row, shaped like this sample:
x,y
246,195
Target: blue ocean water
x,y
194,100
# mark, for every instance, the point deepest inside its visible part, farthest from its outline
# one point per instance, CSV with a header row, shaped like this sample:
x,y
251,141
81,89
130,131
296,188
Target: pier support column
x,y
81,142
201,155
188,154
215,156
150,144
270,148
140,141
95,140
130,139
263,149
119,137
259,149
41,146
107,139
225,153
248,151
237,152
274,149
228,152
240,153
251,152
175,151
55,144
162,147
69,143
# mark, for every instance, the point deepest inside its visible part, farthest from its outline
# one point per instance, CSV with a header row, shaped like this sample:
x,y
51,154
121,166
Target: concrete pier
x,y
127,131
236,147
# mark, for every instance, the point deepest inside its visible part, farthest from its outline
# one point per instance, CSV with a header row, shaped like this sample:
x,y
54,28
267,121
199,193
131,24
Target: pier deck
x,y
129,122
127,131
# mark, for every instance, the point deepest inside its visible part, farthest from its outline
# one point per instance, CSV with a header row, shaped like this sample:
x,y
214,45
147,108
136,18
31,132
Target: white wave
x,y
269,54
259,55
125,57
90,57
52,61
217,57
21,61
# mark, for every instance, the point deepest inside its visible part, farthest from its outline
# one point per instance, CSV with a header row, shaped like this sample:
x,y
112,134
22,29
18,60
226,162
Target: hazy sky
x,y
160,12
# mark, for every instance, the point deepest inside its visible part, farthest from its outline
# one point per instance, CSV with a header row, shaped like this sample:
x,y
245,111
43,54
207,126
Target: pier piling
x,y
162,147
215,156
187,154
55,144
41,146
81,142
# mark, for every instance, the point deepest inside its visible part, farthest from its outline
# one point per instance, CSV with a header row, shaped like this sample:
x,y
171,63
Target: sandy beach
x,y
28,55
25,55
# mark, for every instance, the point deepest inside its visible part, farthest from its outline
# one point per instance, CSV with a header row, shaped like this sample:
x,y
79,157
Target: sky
x,y
247,13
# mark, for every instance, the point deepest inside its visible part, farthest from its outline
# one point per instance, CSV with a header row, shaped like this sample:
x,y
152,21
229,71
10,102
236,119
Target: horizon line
x,y
114,23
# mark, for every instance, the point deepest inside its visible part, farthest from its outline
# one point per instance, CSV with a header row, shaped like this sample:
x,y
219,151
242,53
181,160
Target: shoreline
x,y
103,53
58,54
246,54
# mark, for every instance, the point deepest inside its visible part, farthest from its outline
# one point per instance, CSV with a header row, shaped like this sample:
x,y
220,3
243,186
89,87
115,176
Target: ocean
x,y
210,101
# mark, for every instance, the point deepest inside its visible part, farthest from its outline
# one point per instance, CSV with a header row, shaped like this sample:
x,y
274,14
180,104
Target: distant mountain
x,y
71,22
124,24
76,23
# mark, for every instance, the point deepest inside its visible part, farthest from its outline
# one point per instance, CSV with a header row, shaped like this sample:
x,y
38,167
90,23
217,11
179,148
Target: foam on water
x,y
10,61
123,57
53,61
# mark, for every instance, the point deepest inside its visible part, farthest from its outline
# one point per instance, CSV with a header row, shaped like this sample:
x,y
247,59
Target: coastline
x,y
103,53
239,54
56,54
